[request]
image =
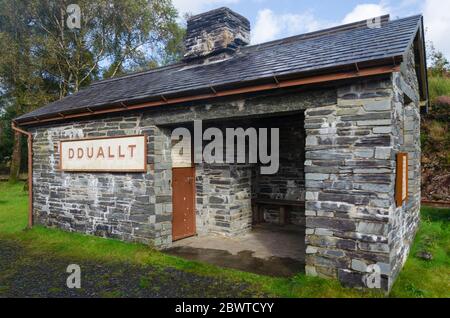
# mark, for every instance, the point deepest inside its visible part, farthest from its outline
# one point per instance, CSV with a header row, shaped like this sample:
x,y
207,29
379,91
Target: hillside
x,y
435,139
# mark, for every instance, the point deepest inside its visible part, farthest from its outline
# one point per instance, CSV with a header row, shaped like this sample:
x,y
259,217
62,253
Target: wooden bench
x,y
258,214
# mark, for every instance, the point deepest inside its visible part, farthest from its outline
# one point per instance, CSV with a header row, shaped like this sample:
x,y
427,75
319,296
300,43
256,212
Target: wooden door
x,y
183,199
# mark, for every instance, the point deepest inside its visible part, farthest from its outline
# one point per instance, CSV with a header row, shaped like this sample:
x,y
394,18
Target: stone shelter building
x,y
346,101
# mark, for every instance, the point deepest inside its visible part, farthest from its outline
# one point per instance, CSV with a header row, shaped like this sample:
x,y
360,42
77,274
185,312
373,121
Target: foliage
x,y
115,37
435,140
435,130
22,85
6,140
439,65
438,86
418,278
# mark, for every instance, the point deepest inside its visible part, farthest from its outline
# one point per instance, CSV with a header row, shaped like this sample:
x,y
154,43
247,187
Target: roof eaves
x,y
211,91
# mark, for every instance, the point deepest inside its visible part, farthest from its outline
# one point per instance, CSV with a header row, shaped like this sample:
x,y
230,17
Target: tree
x,y
23,89
439,65
43,60
116,37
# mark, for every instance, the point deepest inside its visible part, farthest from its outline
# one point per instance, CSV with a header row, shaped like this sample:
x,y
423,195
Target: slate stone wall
x,y
225,190
349,182
127,206
406,132
353,224
289,182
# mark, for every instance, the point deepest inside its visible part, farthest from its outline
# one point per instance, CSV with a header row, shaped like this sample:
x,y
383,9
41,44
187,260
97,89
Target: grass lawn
x,y
419,278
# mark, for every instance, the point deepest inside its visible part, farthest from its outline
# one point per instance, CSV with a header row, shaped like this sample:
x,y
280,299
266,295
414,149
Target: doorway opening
x,y
246,219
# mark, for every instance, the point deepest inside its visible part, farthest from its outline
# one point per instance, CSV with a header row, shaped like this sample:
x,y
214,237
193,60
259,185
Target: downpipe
x,y
30,171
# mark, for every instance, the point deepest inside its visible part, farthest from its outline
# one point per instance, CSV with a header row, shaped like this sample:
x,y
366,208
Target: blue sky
x,y
274,19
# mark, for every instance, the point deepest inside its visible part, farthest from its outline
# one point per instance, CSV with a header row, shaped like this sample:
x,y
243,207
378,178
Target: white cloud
x,y
436,17
266,27
199,6
270,26
365,11
437,24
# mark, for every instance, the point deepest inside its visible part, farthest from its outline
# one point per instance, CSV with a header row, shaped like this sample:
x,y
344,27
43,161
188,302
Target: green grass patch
x,y
13,207
438,86
418,278
422,278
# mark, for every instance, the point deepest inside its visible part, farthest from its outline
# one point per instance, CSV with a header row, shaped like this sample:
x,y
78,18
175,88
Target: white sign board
x,y
111,154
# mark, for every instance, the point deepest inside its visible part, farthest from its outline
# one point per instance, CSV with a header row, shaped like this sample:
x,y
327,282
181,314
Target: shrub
x,y
438,86
437,132
441,106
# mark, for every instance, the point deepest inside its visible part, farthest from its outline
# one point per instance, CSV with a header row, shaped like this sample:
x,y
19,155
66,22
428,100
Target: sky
x,y
275,19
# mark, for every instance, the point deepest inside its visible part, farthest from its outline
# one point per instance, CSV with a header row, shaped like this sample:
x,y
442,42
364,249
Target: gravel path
x,y
25,275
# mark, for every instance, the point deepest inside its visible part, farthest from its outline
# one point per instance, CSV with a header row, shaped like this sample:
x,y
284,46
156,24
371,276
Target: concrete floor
x,y
268,249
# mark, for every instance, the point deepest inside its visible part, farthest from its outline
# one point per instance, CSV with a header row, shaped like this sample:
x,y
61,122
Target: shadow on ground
x,y
268,249
243,260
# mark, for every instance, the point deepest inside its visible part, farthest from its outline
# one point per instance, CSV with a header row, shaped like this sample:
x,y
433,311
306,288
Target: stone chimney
x,y
215,35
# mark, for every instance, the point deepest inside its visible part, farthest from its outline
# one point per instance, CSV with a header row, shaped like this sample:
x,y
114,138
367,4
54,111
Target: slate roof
x,y
312,52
